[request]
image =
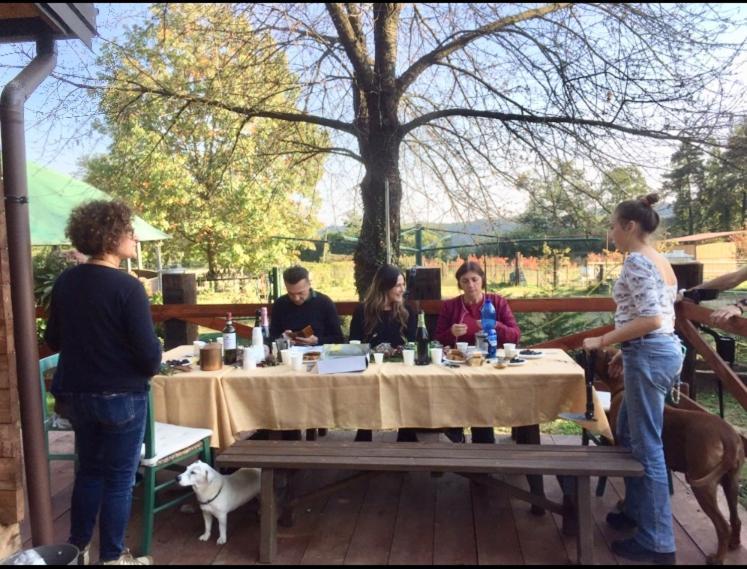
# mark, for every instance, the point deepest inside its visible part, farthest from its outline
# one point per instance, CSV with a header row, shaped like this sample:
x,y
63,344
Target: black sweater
x,y
388,329
318,311
100,321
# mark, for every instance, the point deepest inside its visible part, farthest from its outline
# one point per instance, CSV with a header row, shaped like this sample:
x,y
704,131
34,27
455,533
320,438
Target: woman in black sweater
x,y
101,324
382,317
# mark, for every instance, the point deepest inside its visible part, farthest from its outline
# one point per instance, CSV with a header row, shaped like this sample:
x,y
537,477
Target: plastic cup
x,y
462,347
437,355
409,357
297,362
378,357
249,361
285,355
197,345
509,350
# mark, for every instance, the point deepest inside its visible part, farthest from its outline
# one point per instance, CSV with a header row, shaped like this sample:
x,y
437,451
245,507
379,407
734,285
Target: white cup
x,y
285,356
437,355
197,345
249,361
409,357
379,357
509,350
297,362
462,347
354,342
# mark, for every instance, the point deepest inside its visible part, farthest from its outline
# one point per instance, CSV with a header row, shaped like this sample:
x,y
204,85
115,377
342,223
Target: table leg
x,y
268,522
585,538
530,435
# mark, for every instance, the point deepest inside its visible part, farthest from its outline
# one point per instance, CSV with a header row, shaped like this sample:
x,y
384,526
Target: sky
x,y
58,142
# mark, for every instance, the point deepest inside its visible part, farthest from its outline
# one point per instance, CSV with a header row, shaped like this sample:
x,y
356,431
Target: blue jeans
x,y
650,366
109,431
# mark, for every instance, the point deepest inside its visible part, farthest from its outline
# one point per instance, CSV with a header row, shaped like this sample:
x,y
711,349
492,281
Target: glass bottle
x,y
229,341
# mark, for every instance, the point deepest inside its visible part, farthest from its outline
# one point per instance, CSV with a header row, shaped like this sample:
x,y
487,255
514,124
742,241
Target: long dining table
x,y
390,395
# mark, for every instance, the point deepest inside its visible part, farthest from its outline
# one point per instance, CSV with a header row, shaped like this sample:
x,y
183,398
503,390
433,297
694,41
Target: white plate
x,y
453,362
519,363
531,357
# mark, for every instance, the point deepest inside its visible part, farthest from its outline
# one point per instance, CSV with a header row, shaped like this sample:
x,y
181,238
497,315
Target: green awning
x,y
53,195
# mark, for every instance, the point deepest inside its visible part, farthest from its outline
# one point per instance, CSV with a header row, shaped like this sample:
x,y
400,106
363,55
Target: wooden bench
x,y
574,465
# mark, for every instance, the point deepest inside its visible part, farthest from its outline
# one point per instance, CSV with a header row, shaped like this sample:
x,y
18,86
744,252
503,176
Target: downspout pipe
x,y
12,102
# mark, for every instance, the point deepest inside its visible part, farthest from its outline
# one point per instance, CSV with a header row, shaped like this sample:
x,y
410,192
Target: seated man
x,y
303,306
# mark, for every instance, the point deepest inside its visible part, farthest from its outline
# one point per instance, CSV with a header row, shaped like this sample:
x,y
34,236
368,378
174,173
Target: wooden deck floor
x,y
403,518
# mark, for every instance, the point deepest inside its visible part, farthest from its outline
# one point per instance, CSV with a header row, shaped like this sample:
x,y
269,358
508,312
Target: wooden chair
x,y
165,446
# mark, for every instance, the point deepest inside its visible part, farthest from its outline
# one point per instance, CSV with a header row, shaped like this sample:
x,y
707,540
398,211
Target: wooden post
x,y
11,465
179,288
688,275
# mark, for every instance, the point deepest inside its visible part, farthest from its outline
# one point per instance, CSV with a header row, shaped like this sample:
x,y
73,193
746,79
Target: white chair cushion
x,y
605,398
170,439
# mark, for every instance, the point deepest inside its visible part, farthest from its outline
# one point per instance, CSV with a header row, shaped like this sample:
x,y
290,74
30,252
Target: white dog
x,y
218,494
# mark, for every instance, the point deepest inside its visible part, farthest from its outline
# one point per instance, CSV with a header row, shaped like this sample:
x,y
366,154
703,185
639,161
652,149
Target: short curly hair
x,y
98,226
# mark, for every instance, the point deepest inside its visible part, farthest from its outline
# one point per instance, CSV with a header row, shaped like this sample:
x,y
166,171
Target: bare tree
x,y
477,94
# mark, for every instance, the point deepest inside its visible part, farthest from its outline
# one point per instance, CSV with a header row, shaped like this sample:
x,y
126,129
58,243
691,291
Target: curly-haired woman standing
x,y
100,322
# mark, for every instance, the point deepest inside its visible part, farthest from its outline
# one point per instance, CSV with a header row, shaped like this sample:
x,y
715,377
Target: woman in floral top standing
x,y
652,357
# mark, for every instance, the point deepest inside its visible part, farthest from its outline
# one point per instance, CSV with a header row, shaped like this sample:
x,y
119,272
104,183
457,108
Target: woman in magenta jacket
x,y
459,320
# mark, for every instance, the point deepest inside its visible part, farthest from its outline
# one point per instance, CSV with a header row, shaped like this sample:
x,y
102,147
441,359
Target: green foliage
x,y
221,184
686,181
710,195
48,263
569,204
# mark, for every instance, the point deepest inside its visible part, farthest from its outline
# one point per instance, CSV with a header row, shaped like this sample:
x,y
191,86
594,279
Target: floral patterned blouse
x,y
641,291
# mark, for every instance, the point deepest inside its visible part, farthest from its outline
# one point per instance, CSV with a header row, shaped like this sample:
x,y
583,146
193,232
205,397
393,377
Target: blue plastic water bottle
x,y
492,343
487,317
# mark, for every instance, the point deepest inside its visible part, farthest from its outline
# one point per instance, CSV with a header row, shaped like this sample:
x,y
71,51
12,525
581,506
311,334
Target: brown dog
x,y
703,446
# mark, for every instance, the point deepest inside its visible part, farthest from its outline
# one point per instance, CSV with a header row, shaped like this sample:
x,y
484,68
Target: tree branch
x,y
441,52
354,47
512,117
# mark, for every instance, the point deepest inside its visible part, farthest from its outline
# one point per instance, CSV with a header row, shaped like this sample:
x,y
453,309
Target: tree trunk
x,y
379,140
371,251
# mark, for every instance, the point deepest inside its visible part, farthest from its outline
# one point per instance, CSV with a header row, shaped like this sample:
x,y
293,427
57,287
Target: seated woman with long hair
x,y
382,317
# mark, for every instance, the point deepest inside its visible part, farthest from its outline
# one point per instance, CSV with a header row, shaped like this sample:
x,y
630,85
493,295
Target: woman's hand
x,y
725,313
458,330
594,343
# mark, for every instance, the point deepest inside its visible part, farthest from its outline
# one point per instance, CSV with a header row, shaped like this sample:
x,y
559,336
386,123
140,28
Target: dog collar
x,y
213,498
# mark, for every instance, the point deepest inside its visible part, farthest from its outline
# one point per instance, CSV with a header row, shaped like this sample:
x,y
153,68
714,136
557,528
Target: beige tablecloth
x,y
385,396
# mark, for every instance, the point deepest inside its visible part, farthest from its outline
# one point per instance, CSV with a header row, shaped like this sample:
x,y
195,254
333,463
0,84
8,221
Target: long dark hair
x,y
640,210
384,280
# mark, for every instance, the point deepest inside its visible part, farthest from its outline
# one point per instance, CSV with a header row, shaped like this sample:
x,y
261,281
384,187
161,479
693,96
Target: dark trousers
x,y
109,430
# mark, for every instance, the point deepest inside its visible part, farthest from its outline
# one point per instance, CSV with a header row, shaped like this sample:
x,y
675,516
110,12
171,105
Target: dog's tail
x,y
733,459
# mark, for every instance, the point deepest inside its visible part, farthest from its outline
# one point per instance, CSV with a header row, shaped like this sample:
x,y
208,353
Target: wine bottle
x,y
229,341
422,357
265,328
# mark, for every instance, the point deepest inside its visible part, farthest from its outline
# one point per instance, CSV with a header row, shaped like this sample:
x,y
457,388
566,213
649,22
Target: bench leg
x,y
585,537
268,522
530,435
570,517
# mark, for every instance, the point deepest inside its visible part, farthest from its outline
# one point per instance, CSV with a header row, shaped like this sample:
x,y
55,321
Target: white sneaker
x,y
126,558
84,557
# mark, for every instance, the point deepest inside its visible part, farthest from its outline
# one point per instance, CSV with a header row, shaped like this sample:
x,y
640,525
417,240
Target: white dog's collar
x,y
213,498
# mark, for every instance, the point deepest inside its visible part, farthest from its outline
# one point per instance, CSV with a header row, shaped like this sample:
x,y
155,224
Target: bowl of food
x,y
311,356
